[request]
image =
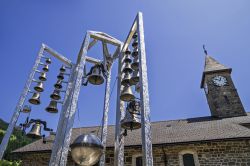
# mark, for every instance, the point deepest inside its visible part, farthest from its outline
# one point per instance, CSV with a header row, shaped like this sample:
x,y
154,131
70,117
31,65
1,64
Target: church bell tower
x,y
222,96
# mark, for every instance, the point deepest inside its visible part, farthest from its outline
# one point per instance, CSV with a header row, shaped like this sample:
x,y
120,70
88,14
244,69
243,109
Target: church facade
x,y
222,139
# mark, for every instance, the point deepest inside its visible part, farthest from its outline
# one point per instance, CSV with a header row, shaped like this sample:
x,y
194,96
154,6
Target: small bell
x,y
127,68
96,77
46,68
52,108
135,78
127,52
39,87
35,131
137,87
135,64
55,95
135,44
127,94
127,59
26,109
126,79
58,84
48,61
135,36
42,77
63,69
60,76
135,53
131,121
35,99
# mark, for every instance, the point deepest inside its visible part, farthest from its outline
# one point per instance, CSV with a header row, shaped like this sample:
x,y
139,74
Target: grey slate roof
x,y
170,132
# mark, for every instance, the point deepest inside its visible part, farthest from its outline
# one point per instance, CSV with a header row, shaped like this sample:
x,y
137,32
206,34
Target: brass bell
x,y
137,87
52,108
135,78
135,53
39,87
35,99
127,52
46,68
55,95
126,79
63,69
127,59
127,68
48,61
26,109
131,121
42,77
135,64
58,84
135,44
127,94
135,36
60,76
134,107
35,131
96,77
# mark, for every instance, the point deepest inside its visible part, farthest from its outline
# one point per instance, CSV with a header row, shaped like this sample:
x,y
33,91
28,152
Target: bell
x,y
86,149
127,59
35,99
126,79
35,131
58,84
135,36
96,77
55,95
127,94
135,52
127,52
39,87
48,61
131,121
134,107
42,77
135,44
135,78
60,76
63,69
135,64
26,109
52,108
46,68
127,68
137,87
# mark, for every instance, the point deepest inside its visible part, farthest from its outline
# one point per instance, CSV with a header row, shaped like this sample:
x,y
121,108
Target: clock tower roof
x,y
212,66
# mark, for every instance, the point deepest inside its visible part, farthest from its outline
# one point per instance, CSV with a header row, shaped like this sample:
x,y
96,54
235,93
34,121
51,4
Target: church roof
x,y
169,132
211,66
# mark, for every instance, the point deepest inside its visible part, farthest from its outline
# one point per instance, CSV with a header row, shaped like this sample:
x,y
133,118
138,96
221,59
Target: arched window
x,y
137,160
188,158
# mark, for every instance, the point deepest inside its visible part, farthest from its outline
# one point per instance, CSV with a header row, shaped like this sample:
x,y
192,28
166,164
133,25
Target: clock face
x,y
219,80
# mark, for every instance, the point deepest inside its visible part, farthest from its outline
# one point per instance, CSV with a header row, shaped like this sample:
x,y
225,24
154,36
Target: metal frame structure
x,y
64,128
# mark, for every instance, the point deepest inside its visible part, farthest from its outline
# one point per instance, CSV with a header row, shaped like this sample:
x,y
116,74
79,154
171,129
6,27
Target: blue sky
x,y
175,31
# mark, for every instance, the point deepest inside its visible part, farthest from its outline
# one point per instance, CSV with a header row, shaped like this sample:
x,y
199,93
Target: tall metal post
x,y
20,103
144,96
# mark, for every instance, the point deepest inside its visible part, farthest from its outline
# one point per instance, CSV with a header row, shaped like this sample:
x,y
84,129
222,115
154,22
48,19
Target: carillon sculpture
x,y
132,90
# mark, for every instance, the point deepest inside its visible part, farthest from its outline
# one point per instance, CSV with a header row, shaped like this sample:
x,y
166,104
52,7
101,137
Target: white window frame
x,y
189,151
134,158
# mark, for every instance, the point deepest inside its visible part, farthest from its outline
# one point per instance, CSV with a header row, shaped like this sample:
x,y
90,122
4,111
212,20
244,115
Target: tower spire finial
x,y
205,51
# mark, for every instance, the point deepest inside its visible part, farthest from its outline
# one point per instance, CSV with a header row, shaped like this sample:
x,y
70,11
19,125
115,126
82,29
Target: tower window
x,y
188,160
137,160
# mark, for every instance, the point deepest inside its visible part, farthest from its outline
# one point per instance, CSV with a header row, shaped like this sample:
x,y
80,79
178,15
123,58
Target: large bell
x,y
135,78
60,76
131,121
127,59
55,95
86,150
63,69
58,84
127,94
96,77
35,99
39,87
52,108
46,68
127,68
26,109
48,61
126,79
135,64
42,77
35,131
135,52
